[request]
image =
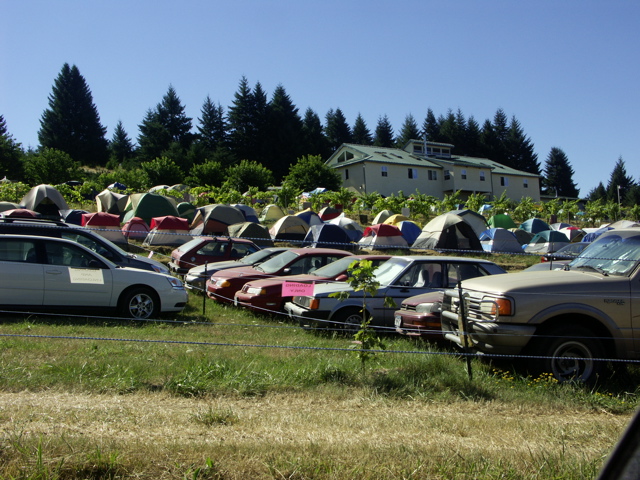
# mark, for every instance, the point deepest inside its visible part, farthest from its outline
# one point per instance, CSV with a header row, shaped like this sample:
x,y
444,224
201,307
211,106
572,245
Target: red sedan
x,y
203,250
223,285
266,295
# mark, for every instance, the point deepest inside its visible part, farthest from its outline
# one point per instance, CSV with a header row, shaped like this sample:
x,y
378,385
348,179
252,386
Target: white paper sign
x,y
86,275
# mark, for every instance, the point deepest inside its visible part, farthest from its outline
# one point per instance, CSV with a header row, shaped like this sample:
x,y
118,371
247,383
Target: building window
x,y
447,175
413,173
463,174
526,183
384,171
433,175
346,174
504,182
482,176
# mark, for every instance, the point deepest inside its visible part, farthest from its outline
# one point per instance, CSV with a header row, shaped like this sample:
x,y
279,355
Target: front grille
x,y
410,308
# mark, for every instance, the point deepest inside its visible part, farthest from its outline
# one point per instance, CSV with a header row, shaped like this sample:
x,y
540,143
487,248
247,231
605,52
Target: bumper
x,y
258,303
306,317
418,324
222,295
489,337
175,302
175,268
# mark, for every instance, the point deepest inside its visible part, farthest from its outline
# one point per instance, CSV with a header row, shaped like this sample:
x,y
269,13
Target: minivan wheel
x,y
140,303
349,320
572,354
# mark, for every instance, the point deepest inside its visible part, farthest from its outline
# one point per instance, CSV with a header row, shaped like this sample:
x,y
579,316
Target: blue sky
x,y
568,70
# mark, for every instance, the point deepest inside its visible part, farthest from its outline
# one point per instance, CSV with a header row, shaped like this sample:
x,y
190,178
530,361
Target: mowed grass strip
x,y
152,408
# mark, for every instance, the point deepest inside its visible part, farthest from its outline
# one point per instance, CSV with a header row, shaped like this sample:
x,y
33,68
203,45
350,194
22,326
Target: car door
x,y
21,272
74,276
418,278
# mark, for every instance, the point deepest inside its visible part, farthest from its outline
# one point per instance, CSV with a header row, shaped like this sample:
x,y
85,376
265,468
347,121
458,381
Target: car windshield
x,y
389,270
612,255
278,262
334,268
256,257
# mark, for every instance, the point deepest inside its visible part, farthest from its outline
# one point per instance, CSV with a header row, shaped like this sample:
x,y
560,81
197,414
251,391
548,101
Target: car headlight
x,y
497,306
223,282
434,307
175,283
256,291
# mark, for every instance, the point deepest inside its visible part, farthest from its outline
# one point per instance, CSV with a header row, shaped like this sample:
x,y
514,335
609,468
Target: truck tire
x,y
571,355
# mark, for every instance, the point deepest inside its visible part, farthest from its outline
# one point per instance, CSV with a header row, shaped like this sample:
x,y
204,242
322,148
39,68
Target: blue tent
x,y
590,237
327,235
499,240
410,230
72,216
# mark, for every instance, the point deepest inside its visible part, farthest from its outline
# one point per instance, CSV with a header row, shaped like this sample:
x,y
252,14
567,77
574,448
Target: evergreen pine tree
x,y
430,127
500,130
314,139
598,193
11,154
212,127
558,175
337,129
452,131
408,131
520,149
285,133
171,115
242,123
361,133
383,136
71,123
120,148
619,182
473,144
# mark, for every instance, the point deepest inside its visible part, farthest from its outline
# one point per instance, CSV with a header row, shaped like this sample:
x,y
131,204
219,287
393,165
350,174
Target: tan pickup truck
x,y
567,320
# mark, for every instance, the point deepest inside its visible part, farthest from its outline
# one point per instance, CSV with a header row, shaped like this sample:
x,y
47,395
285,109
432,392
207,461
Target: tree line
x,y
257,140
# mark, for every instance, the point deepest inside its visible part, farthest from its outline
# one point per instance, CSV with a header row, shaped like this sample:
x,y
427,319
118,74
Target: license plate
x,y
398,320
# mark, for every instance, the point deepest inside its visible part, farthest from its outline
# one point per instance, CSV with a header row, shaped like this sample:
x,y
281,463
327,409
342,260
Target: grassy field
x,y
226,394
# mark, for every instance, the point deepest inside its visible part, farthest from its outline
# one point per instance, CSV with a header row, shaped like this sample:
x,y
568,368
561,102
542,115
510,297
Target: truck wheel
x,y
139,303
349,319
571,353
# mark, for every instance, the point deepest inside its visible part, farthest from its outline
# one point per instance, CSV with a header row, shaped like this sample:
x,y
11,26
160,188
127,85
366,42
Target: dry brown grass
x,y
154,435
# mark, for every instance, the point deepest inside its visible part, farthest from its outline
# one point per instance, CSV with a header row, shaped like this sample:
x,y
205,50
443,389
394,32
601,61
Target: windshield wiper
x,y
595,269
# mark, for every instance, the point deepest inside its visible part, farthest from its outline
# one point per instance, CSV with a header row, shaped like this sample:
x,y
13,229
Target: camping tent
x,y
328,213
215,219
8,206
382,216
353,228
249,213
271,213
501,220
149,205
382,236
72,216
310,217
475,220
135,229
186,210
255,232
111,202
105,224
574,234
410,230
592,235
395,219
547,241
499,240
448,232
327,235
534,225
289,227
45,200
20,213
559,226
624,224
522,236
169,230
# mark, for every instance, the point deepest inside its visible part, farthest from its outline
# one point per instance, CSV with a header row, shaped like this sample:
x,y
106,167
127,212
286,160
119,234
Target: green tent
x,y
502,220
149,205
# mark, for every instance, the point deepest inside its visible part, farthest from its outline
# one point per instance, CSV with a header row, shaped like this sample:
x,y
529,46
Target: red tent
x,y
21,213
135,229
100,219
169,223
383,230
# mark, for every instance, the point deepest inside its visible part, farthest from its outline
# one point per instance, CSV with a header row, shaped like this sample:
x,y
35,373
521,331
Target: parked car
x,y
420,315
203,250
223,285
82,235
399,278
566,319
266,295
568,252
196,277
48,273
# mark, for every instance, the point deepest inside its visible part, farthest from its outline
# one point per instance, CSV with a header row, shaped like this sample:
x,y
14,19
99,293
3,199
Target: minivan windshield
x,y
389,270
611,255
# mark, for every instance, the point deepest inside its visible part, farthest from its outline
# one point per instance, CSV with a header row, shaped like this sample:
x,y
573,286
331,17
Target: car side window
x,y
215,249
67,255
303,265
240,250
86,241
422,275
15,250
463,271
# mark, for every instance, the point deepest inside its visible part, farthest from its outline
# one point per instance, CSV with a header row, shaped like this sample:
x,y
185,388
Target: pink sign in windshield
x,y
292,289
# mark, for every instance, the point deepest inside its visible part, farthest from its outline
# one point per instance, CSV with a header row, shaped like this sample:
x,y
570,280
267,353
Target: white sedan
x,y
47,273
